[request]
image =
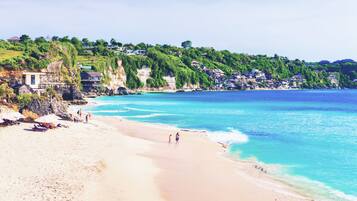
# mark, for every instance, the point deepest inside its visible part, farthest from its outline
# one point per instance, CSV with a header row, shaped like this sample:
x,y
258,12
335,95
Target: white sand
x,y
88,162
111,159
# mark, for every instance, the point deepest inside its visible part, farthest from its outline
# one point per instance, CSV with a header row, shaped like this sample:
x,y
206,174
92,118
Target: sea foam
x,y
108,111
229,137
150,115
141,110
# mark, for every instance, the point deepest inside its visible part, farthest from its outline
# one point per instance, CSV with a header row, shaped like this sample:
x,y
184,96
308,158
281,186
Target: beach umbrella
x,y
12,115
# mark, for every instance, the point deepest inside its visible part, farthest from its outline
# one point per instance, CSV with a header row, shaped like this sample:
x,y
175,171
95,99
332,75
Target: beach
x,y
116,159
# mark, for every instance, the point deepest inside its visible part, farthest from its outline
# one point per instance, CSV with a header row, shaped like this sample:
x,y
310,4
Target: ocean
x,y
311,135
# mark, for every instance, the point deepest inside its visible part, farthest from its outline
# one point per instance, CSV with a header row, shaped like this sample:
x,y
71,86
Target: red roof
x,y
14,38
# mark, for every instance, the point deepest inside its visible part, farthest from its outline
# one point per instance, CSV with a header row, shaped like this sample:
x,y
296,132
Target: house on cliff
x,y
33,79
14,39
333,79
90,81
41,80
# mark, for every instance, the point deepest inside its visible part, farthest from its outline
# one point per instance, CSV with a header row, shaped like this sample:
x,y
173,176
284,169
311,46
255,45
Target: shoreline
x,y
298,187
114,159
244,170
238,90
249,166
297,184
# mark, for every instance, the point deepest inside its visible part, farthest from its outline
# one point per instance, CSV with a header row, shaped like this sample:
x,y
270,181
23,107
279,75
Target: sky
x,y
311,30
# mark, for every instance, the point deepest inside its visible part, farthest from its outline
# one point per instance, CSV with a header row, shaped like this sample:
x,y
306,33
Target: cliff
x,y
116,76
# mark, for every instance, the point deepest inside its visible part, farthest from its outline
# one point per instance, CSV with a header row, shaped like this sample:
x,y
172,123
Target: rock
x,y
122,91
47,106
58,107
23,89
109,92
90,95
72,94
79,102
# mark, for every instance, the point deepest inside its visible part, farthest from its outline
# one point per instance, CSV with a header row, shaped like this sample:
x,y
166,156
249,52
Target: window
x,y
33,80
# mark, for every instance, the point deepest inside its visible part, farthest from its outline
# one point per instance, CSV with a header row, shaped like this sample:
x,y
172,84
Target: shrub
x,y
25,99
29,116
51,93
6,92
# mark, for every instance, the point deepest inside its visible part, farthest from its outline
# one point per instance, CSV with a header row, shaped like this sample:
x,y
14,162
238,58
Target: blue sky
x,y
306,29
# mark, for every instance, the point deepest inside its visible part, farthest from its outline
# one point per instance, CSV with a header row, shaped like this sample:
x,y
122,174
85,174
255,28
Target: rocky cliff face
x,y
53,73
191,86
144,74
171,82
117,77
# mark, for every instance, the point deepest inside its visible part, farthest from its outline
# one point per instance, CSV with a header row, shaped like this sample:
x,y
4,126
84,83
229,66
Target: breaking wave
x,y
108,111
141,110
150,115
228,137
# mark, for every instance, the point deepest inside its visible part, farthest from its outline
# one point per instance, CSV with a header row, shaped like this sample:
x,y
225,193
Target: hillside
x,y
9,54
165,66
38,55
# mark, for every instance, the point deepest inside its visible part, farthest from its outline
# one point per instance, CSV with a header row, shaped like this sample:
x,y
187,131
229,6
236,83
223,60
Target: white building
x,y
32,79
333,79
136,52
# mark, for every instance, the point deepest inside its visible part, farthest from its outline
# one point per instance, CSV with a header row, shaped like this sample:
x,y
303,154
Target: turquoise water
x,y
311,134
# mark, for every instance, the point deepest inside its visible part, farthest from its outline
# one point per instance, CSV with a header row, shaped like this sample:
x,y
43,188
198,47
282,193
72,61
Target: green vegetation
x,y
25,99
6,92
37,54
164,60
186,44
8,54
100,64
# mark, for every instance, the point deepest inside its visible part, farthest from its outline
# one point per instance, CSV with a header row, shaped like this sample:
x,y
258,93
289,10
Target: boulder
x,y
47,106
58,107
24,89
72,93
122,91
79,102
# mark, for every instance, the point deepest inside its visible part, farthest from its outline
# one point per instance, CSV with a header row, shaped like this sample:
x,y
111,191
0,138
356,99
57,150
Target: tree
x,y
141,46
77,44
101,42
55,38
129,46
75,40
113,42
65,39
186,44
40,40
86,42
25,38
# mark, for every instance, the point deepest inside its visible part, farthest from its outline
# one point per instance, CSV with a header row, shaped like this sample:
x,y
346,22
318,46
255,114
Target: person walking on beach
x,y
80,113
177,137
170,138
87,118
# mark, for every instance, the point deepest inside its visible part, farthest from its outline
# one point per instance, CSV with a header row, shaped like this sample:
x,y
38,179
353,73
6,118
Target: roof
x,y
92,74
32,73
86,67
14,38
